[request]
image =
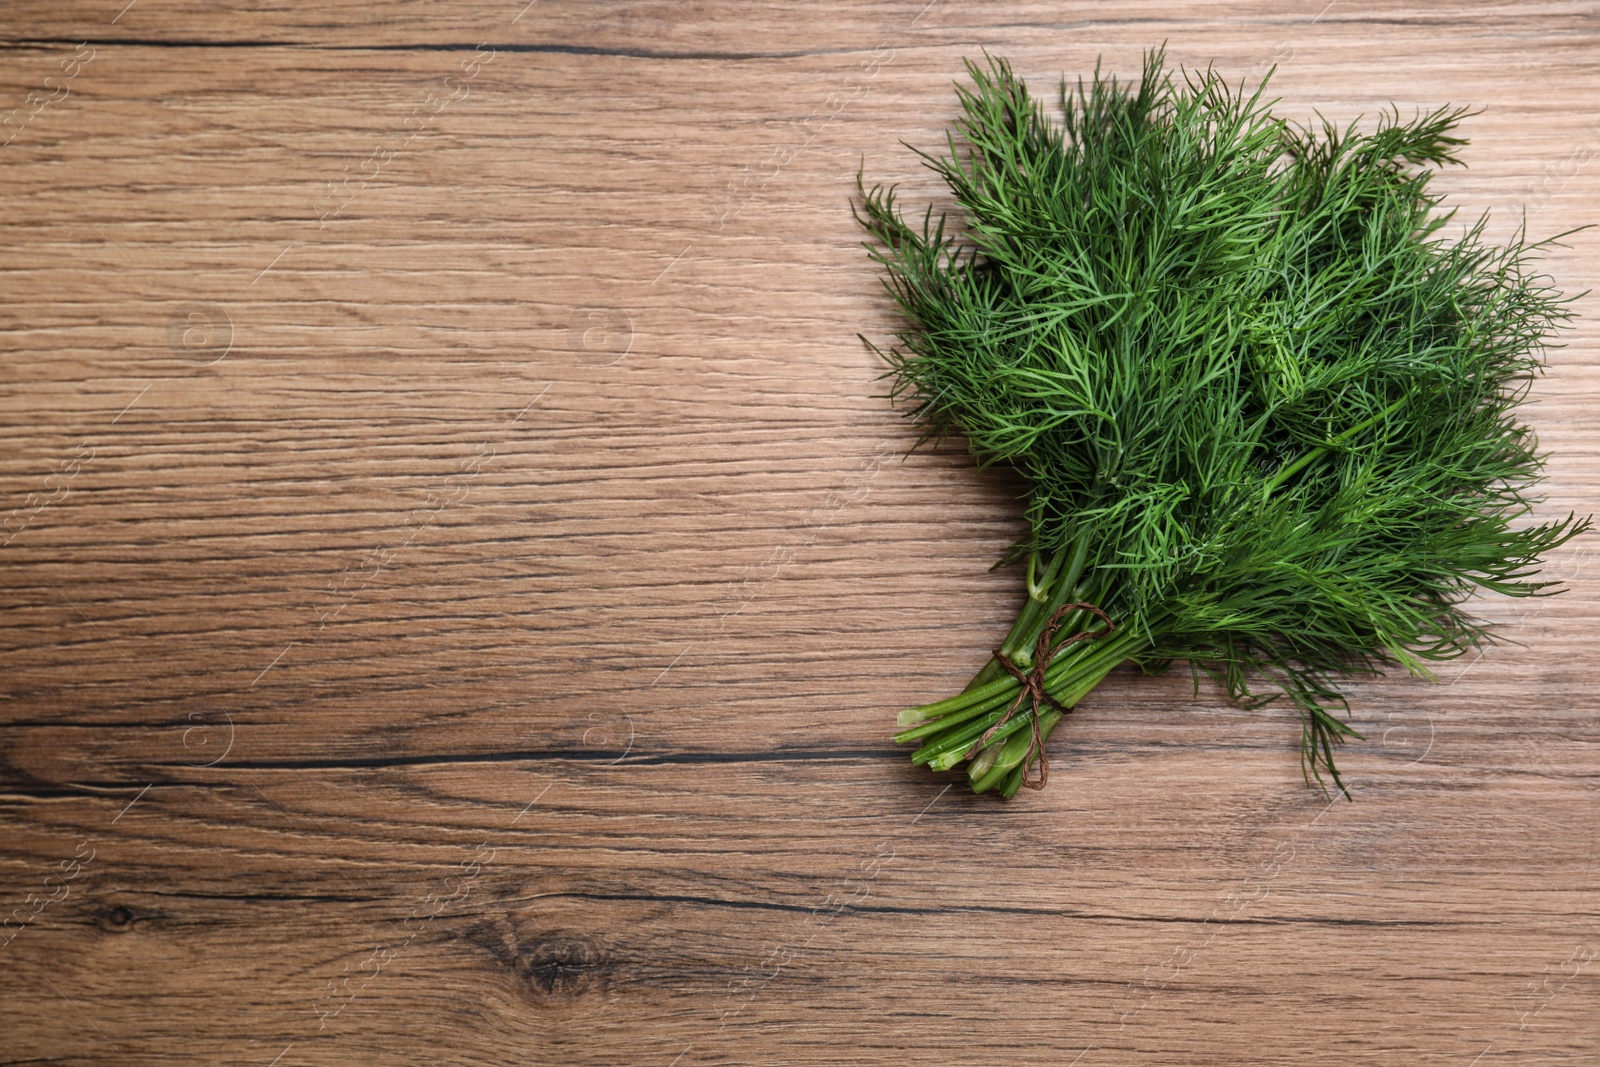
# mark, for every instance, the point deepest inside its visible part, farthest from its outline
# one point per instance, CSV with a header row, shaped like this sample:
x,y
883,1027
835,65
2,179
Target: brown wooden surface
x,y
458,579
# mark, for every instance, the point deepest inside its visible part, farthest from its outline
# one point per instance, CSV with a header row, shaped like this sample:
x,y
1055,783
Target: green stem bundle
x,y
948,729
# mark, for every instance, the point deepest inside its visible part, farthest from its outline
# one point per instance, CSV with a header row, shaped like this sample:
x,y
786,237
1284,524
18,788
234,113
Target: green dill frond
x,y
1252,385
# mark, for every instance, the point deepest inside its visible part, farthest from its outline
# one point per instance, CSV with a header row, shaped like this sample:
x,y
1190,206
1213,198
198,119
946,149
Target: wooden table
x,y
459,576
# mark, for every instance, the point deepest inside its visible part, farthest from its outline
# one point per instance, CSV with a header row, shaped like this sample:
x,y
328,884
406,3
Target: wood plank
x,y
456,614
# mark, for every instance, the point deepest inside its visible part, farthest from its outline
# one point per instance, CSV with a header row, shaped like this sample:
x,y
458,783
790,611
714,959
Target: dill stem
x,y
932,718
1036,611
984,690
1298,465
1070,678
1013,757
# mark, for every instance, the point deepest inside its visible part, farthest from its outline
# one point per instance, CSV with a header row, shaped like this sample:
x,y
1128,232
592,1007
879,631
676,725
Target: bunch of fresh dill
x,y
1263,406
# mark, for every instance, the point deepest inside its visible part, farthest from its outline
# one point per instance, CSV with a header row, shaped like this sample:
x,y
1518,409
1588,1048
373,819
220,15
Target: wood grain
x,y
459,576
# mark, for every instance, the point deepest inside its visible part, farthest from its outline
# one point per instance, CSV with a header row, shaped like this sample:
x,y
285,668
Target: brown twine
x,y
1033,686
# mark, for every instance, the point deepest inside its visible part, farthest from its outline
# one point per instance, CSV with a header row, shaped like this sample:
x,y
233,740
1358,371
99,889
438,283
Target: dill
x,y
1263,406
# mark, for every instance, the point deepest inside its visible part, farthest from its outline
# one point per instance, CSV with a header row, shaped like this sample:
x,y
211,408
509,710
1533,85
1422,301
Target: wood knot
x,y
118,919
563,965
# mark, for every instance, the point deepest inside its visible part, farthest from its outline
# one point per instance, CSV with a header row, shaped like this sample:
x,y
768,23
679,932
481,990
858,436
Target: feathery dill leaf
x,y
1263,406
